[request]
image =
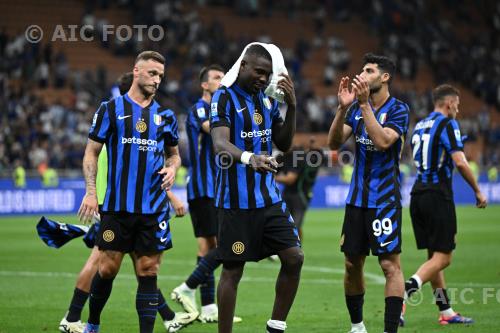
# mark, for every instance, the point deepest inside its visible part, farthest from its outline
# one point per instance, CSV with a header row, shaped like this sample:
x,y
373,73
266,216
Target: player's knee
x,y
148,268
445,261
232,272
389,267
353,265
293,261
108,270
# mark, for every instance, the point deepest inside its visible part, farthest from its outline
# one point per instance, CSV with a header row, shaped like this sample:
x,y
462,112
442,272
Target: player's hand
x,y
345,96
168,177
286,84
263,163
179,208
88,208
481,201
361,89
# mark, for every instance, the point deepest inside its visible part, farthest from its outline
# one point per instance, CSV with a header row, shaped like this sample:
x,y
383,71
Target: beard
x,y
145,91
375,89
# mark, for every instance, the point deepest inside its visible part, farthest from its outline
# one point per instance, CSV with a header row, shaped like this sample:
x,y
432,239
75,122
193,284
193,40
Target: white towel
x,y
272,89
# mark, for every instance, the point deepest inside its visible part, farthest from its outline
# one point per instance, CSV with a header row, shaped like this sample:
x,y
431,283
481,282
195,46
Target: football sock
x,y
76,305
355,306
164,310
443,302
99,294
204,269
146,303
413,284
393,307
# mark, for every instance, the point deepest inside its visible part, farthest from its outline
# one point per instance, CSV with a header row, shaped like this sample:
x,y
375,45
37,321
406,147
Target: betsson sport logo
x,y
367,142
264,135
143,144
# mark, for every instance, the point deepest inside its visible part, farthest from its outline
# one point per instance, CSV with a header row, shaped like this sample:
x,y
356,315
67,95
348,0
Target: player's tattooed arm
x,y
283,132
89,203
172,163
339,132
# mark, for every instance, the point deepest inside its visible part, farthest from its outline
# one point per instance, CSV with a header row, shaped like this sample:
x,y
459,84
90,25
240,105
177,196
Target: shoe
x,y
66,326
90,328
212,315
181,320
185,298
359,328
402,316
457,318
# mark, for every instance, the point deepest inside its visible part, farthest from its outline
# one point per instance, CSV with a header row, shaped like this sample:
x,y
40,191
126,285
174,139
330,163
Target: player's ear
x,y
204,85
386,77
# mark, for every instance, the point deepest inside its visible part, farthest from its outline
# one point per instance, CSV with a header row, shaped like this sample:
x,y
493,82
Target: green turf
x,y
36,282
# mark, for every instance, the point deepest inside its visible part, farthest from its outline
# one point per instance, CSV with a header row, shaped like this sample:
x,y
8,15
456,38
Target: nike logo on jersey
x,y
240,110
123,117
153,303
163,239
358,117
384,244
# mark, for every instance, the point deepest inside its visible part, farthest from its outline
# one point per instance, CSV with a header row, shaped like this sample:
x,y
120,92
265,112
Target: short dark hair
x,y
443,90
204,71
124,82
385,64
150,55
259,51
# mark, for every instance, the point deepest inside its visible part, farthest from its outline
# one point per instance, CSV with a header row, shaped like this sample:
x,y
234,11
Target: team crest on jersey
x,y
267,102
141,126
94,120
257,118
238,247
382,118
157,119
458,136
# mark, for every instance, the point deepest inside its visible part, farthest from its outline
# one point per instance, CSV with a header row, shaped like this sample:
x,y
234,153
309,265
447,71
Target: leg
x,y
146,266
82,288
354,288
226,293
394,290
102,283
287,282
207,264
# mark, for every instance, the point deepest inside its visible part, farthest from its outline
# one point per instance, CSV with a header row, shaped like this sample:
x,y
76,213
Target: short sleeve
x,y
451,137
398,118
100,128
201,113
349,115
275,113
171,134
219,109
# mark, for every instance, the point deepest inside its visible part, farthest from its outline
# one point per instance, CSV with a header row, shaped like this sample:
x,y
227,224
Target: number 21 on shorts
x,y
382,227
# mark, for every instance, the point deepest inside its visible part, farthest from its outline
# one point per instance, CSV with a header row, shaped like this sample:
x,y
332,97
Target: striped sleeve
x,y
219,109
171,134
451,137
201,114
100,128
398,118
350,114
275,113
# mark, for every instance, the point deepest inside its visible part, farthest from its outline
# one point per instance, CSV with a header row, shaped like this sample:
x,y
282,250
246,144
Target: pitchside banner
x,y
329,192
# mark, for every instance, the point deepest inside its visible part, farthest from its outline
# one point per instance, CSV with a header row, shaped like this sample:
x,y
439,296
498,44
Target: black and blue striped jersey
x,y
250,119
376,179
201,153
136,139
433,141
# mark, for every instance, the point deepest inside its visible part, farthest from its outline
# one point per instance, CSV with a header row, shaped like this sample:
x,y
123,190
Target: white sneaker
x,y
71,327
181,320
185,297
210,314
358,328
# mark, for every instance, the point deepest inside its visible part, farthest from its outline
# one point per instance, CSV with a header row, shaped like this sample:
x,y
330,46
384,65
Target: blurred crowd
x,y
38,135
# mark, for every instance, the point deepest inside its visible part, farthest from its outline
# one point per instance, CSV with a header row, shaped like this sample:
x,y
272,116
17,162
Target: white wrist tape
x,y
245,157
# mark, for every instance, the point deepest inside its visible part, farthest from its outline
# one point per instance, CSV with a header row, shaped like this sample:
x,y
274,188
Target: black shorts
x,y
434,221
142,233
378,229
203,217
254,234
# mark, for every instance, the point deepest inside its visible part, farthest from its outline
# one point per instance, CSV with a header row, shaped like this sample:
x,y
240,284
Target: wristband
x,y
245,157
